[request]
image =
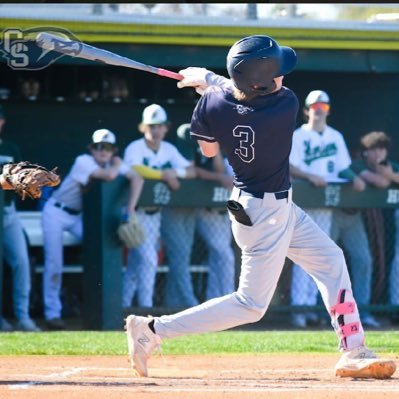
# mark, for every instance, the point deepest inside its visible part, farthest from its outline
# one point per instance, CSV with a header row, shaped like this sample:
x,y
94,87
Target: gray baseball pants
x,y
280,229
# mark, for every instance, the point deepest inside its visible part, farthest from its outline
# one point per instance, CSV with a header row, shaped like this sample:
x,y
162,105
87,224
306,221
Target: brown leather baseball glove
x,y
27,179
131,233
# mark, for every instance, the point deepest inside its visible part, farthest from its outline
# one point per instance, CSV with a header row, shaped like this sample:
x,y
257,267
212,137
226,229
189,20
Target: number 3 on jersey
x,y
246,151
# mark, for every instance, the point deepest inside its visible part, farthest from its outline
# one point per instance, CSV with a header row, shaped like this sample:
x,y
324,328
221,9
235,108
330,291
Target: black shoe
x,y
55,324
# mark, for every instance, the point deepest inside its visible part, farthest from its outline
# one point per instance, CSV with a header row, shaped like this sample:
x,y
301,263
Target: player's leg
x,y
142,263
264,246
16,254
214,227
76,227
394,272
324,260
177,232
304,290
54,221
147,266
355,242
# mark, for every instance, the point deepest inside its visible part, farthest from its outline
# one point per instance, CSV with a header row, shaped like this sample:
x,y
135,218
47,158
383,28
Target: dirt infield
x,y
185,377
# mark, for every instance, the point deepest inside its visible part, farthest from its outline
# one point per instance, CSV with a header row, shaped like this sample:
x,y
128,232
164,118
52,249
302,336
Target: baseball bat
x,y
74,48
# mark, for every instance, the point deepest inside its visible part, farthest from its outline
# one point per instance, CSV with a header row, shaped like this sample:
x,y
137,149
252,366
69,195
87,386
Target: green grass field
x,y
251,342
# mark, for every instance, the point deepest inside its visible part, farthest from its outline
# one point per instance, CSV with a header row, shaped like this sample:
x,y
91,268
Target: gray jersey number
x,y
246,151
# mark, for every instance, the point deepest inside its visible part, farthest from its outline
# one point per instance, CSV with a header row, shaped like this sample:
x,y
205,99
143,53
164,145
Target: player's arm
x,y
218,174
387,170
147,172
374,179
344,165
317,181
218,163
136,187
208,149
189,172
358,183
110,173
201,78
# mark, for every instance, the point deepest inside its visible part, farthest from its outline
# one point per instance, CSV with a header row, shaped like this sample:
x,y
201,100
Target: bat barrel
x,y
83,50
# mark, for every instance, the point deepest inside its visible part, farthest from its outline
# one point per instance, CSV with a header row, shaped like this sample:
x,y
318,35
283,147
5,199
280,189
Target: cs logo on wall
x,y
20,50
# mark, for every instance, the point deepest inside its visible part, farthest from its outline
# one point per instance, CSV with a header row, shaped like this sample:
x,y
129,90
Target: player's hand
x,y
385,170
358,184
226,181
317,181
169,176
116,161
194,77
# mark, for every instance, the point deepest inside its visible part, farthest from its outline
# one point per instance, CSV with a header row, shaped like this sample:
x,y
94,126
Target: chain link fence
x,y
197,259
370,243
194,254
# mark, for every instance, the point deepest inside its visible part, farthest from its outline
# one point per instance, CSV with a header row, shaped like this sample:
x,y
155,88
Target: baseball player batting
x,y
252,119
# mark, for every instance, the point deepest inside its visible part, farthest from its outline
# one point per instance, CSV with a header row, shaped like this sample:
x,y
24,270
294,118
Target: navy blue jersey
x,y
255,137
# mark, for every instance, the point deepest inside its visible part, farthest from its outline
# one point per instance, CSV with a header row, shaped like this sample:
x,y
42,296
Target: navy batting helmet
x,y
254,61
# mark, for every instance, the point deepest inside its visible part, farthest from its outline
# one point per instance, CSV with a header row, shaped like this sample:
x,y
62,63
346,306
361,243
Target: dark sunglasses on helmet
x,y
103,147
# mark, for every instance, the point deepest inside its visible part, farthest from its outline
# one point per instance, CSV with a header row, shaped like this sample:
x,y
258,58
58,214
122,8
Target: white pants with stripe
x,y
54,222
303,288
142,262
280,229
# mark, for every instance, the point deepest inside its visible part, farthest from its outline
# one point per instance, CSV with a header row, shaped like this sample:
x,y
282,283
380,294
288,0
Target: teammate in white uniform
x,y
252,124
318,154
153,158
213,226
63,212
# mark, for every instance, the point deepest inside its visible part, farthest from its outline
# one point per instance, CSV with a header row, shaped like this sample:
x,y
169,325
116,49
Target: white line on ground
x,y
229,383
28,384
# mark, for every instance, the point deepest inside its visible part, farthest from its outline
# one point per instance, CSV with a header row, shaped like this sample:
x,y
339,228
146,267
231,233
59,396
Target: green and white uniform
x,y
324,154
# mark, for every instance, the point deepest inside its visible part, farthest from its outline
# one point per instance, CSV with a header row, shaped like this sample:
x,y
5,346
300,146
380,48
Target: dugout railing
x,y
103,255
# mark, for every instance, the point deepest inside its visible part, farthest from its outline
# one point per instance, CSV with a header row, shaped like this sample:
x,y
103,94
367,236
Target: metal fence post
x,y
102,256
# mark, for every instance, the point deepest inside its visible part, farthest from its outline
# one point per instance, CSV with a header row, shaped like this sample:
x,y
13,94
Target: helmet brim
x,y
288,60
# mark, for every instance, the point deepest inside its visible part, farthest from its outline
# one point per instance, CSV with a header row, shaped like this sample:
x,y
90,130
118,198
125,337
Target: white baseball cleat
x,y
141,342
363,363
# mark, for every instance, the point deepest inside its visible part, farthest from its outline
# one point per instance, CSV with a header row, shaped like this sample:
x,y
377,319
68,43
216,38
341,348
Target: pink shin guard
x,y
346,321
